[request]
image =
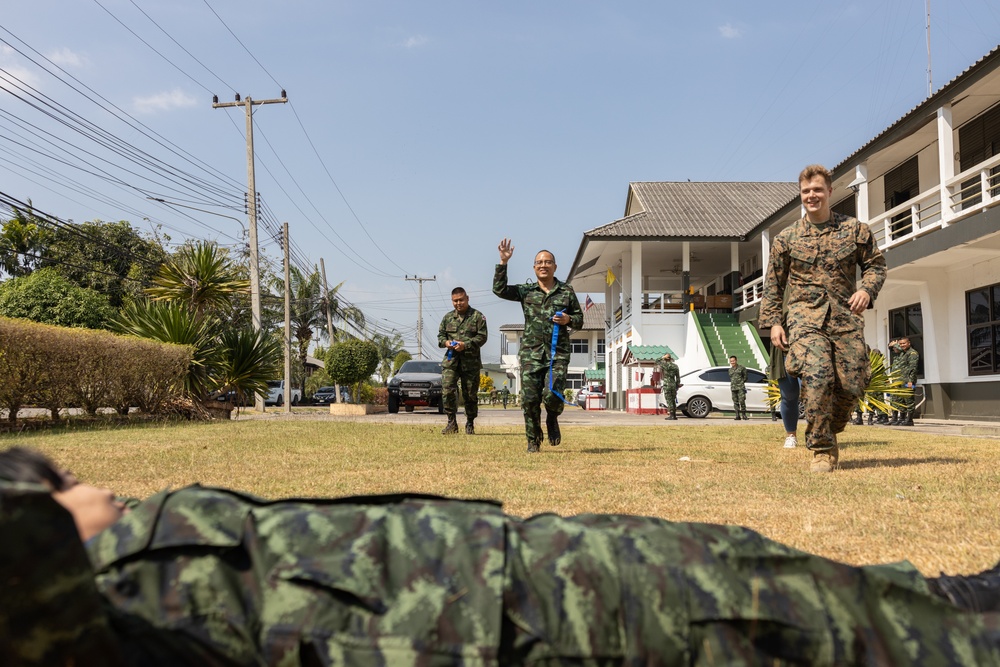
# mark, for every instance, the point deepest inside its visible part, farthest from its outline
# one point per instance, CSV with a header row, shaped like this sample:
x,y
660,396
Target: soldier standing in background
x,y
545,303
905,361
463,333
670,378
738,385
817,259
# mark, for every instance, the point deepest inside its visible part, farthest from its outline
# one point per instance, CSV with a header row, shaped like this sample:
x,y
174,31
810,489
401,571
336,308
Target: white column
x,y
861,183
946,159
685,255
626,284
765,249
635,286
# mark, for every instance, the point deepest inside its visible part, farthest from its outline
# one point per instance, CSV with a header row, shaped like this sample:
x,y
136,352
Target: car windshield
x,y
325,390
274,383
420,367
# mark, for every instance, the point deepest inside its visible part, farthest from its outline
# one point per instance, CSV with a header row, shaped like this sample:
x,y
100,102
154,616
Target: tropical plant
x,y
882,394
201,276
389,346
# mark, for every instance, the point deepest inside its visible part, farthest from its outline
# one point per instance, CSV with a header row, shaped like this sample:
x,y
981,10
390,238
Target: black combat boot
x,y
533,447
451,426
871,417
908,419
737,417
470,428
746,417
673,415
552,426
895,418
856,420
977,592
883,419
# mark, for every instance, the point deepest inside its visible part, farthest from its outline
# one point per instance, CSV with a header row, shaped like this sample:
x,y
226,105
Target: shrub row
x,y
54,367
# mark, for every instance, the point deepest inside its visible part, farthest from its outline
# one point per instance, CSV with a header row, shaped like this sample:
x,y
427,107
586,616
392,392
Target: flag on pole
x,y
610,278
588,304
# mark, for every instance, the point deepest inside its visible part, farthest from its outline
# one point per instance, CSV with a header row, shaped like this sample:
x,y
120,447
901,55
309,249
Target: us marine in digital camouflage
x,y
545,303
212,577
817,259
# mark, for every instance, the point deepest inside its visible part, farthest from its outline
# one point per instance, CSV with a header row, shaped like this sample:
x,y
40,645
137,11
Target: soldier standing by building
x,y
670,378
546,303
738,385
905,361
817,259
463,333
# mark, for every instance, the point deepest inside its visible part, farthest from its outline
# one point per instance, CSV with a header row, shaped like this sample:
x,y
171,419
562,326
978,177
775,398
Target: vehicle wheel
x,y
393,404
698,407
685,413
802,410
295,400
279,402
409,408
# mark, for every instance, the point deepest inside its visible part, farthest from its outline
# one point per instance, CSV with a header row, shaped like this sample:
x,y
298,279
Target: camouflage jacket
x,y
539,307
819,267
211,577
737,377
904,362
670,376
471,330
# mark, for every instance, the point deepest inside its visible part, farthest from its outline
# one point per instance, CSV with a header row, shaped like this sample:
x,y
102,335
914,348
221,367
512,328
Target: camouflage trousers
x,y
907,402
535,392
451,379
834,371
740,399
670,398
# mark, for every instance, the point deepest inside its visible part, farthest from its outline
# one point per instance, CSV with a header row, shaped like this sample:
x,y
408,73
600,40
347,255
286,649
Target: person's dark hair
x,y
733,356
457,291
19,464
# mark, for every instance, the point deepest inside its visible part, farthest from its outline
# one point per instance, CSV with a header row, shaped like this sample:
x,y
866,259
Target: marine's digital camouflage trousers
x,y
834,371
535,392
451,379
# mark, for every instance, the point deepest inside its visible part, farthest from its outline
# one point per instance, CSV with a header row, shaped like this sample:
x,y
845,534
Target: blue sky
x,y
419,134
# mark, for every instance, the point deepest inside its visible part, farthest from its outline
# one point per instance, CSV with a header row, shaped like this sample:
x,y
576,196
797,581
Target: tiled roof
x,y
698,210
648,352
594,373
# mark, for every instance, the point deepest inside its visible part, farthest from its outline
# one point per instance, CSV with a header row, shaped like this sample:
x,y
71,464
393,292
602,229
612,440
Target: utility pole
x,y
329,322
288,324
420,314
930,85
248,104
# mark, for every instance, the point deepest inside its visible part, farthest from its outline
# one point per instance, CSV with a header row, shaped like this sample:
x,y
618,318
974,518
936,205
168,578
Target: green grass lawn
x,y
898,494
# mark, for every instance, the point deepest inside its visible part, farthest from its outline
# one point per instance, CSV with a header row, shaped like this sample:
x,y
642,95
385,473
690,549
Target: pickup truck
x,y
276,393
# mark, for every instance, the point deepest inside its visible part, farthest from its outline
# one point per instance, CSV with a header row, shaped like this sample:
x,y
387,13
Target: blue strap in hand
x,y
552,357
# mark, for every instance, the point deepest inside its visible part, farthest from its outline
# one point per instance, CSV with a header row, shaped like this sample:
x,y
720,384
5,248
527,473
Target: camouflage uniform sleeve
x,y
500,286
478,333
871,260
774,284
575,311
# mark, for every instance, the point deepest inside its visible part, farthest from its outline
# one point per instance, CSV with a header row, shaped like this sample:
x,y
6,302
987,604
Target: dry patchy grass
x,y
898,494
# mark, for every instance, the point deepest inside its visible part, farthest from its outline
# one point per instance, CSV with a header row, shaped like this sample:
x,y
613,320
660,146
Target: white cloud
x,y
66,58
174,99
729,31
415,42
17,75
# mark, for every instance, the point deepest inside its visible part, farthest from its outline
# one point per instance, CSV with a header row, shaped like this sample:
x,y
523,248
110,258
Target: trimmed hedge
x,y
55,367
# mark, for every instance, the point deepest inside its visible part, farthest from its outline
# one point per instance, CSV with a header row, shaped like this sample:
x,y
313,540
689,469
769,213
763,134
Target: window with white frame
x,y
580,345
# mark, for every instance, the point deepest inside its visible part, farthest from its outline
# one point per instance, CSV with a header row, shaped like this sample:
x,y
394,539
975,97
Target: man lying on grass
x,y
203,576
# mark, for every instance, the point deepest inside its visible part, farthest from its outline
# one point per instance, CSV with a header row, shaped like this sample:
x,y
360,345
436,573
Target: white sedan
x,y
708,389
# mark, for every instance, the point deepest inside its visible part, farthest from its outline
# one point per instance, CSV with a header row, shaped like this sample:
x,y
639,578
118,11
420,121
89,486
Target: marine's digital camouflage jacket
x,y
211,577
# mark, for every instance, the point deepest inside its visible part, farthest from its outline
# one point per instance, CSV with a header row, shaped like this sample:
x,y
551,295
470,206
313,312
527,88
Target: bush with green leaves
x,y
351,362
47,297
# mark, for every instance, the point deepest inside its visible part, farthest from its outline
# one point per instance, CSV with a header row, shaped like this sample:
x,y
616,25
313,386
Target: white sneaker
x,y
790,442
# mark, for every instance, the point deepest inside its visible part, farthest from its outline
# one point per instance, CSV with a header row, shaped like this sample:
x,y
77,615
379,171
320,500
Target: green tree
x,y
389,346
200,276
47,297
401,358
22,242
351,362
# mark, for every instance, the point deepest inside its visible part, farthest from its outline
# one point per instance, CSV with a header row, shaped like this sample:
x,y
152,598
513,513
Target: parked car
x,y
418,383
325,396
276,393
708,389
581,397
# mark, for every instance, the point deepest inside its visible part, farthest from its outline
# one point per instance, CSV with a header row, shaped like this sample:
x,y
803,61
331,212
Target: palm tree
x,y
201,276
388,347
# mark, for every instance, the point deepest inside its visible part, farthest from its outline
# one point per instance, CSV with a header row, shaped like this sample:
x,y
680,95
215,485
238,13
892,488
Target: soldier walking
x,y
463,333
546,303
817,259
670,378
738,386
905,361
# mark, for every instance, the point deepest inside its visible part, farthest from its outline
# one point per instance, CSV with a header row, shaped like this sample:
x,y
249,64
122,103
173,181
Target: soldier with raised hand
x,y
545,303
817,259
905,361
463,332
670,378
738,387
